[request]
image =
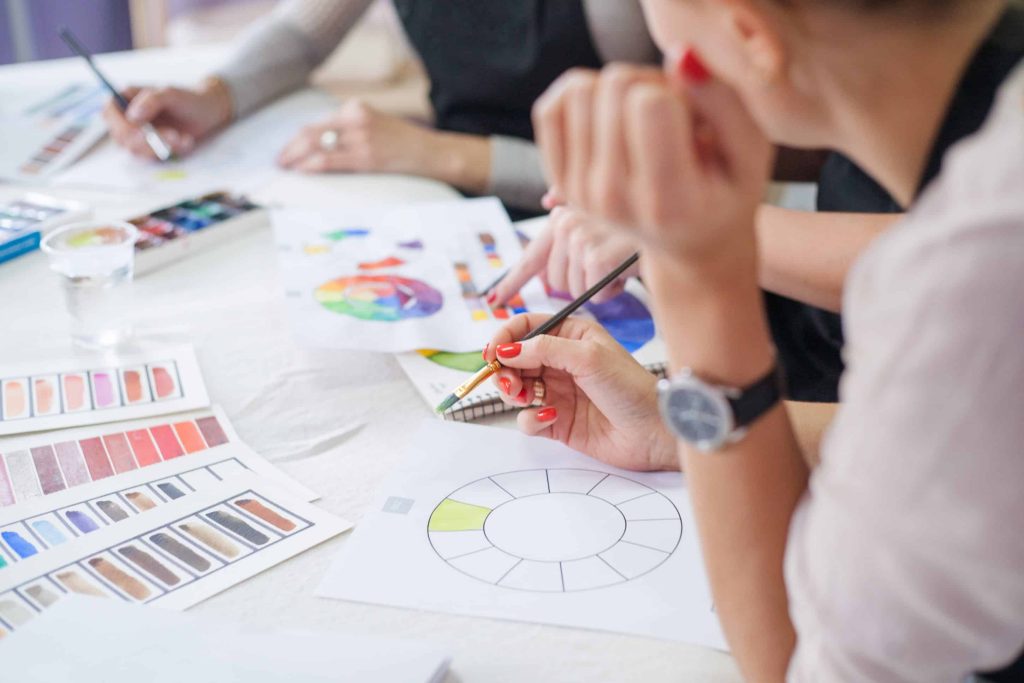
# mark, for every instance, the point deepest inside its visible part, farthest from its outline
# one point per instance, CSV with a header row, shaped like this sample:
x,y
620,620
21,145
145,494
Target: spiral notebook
x,y
435,373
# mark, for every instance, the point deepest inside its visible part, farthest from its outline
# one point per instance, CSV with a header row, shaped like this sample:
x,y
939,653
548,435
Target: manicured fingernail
x,y
491,298
483,353
522,396
506,385
548,414
692,68
509,350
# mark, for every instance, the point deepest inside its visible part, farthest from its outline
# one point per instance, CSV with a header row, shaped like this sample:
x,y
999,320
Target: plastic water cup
x,y
95,261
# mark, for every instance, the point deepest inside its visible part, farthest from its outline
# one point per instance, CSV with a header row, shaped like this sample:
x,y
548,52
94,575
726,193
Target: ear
x,y
757,35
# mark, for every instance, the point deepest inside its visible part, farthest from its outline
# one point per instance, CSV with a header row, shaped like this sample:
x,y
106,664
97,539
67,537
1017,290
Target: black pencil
x,y
473,382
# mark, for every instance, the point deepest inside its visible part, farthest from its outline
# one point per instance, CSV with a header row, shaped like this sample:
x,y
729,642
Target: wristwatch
x,y
708,416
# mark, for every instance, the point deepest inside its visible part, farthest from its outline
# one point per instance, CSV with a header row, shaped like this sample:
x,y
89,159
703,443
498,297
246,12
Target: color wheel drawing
x,y
627,319
555,530
471,361
379,297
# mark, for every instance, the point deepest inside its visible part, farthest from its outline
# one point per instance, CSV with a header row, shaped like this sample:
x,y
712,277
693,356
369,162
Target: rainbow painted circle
x,y
379,297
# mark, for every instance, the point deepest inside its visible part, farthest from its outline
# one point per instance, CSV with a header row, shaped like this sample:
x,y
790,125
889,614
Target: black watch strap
x,y
757,399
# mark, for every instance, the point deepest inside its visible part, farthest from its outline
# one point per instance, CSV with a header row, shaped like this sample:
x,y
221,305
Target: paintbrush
x,y
156,143
486,371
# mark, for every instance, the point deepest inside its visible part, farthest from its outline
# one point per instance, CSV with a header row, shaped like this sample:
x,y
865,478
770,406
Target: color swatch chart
x,y
52,131
41,468
74,392
174,556
478,310
40,532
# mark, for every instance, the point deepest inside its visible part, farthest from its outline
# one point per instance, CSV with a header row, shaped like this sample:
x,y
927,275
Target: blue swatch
x,y
50,533
82,521
19,544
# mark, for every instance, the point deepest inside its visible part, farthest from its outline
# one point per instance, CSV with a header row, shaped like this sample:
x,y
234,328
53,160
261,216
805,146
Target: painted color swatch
x,y
50,468
152,557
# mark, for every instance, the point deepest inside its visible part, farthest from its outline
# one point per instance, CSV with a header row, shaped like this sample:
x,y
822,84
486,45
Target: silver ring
x,y
540,390
329,140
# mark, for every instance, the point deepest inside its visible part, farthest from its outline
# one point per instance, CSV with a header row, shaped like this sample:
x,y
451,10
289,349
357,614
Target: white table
x,y
278,396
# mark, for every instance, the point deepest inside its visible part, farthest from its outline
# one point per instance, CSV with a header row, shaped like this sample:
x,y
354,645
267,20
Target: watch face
x,y
697,416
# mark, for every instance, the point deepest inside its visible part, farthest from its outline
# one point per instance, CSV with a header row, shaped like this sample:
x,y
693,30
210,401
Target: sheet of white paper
x,y
399,278
238,158
627,317
94,390
174,556
40,524
103,640
47,129
492,523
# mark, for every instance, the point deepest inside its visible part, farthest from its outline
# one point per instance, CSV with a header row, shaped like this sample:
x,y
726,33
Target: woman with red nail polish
x,y
896,558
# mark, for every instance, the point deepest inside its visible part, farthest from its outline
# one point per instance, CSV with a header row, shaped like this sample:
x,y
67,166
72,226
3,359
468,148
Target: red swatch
x,y
119,452
190,437
142,446
164,382
166,441
96,458
389,262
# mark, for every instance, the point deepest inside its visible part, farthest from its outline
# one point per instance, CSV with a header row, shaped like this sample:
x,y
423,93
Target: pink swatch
x,y
103,389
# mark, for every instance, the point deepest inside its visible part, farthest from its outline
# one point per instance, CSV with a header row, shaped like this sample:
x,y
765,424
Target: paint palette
x,y
174,556
171,233
24,221
74,392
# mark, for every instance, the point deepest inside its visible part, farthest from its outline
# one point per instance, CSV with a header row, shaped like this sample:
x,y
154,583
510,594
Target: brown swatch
x,y
76,584
140,500
171,545
149,564
238,526
211,539
254,507
129,584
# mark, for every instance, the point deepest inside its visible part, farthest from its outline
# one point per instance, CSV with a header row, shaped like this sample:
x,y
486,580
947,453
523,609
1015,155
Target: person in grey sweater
x,y
487,63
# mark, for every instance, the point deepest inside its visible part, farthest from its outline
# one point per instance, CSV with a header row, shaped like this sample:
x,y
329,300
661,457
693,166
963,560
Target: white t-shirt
x,y
906,558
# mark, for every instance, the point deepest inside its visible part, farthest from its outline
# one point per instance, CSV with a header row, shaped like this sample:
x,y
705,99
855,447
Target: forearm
x,y
745,495
278,53
810,422
790,266
459,159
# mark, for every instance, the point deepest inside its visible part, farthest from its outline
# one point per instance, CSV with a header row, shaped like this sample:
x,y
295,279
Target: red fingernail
x,y
547,415
509,350
492,297
692,68
522,396
483,353
506,384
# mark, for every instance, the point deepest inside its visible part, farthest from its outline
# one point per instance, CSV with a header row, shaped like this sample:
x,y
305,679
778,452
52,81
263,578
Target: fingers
x,y
721,109
549,127
579,112
577,357
324,162
537,421
148,103
534,260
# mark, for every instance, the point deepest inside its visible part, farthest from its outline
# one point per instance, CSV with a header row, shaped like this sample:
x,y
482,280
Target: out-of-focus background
x,y
374,62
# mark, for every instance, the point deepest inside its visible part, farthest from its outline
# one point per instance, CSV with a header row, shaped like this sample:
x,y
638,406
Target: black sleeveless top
x,y
489,60
809,340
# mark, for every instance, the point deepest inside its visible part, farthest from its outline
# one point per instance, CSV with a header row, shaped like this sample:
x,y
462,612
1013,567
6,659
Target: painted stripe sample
x,y
120,453
48,470
212,431
166,441
189,436
143,447
69,456
23,475
96,458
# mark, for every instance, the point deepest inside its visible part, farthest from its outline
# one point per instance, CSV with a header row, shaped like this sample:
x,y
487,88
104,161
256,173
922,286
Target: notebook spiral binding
x,y
490,403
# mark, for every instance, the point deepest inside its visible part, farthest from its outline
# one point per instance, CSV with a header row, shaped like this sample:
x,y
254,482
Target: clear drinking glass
x,y
95,260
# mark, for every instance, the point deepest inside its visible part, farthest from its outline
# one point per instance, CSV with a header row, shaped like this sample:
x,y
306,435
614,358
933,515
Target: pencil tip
x,y
451,400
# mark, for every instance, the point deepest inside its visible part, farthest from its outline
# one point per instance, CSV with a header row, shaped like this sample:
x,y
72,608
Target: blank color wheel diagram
x,y
555,530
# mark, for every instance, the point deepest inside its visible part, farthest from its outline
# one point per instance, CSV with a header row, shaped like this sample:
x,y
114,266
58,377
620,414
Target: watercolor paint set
x,y
175,555
171,233
78,391
25,220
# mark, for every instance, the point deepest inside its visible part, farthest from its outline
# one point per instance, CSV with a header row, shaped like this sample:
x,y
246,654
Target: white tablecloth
x,y
279,397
